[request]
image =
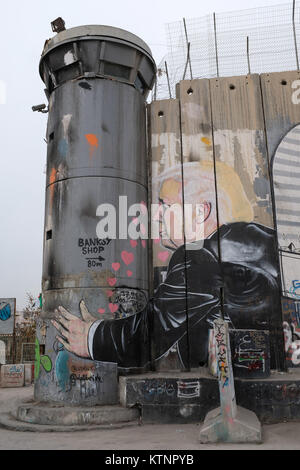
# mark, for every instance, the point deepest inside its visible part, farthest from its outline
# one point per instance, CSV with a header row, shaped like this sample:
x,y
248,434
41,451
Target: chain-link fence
x,y
219,45
28,353
19,349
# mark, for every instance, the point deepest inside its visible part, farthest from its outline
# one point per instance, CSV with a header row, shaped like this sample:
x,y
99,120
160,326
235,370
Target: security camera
x,y
41,108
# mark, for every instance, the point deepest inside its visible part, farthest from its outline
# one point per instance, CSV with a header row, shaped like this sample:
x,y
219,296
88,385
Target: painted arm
x,y
126,341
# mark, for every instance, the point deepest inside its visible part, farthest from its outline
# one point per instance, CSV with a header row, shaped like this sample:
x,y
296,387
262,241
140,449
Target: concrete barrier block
x,y
12,375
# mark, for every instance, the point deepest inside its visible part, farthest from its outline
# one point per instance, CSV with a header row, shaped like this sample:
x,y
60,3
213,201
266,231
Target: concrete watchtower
x,y
97,79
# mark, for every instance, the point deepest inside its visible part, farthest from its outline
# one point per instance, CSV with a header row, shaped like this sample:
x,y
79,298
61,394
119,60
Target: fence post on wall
x,y
248,56
168,80
216,45
187,60
14,336
188,49
295,35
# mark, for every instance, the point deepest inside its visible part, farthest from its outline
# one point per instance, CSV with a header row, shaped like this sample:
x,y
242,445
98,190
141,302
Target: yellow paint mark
x,y
206,141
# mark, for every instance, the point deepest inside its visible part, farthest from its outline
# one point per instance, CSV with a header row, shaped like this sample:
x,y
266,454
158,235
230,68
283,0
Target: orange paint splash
x,y
52,180
206,141
93,143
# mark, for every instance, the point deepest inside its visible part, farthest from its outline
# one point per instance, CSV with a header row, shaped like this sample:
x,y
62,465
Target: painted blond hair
x,y
199,186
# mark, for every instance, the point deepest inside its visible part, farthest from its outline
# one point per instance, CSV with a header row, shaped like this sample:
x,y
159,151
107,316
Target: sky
x,y
24,27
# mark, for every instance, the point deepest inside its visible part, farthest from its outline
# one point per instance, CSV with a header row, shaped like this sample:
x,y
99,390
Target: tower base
x,y
244,428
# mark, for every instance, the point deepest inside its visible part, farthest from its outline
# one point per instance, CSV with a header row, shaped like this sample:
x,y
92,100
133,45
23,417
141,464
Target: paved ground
x,y
146,437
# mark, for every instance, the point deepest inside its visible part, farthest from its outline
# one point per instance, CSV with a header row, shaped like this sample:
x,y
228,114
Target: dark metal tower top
x,y
97,51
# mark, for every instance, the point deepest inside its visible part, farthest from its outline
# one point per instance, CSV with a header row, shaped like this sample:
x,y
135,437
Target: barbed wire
x,y
217,44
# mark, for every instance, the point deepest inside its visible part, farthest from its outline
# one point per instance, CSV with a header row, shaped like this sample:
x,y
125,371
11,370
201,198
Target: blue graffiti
x,y
294,288
63,147
5,312
62,370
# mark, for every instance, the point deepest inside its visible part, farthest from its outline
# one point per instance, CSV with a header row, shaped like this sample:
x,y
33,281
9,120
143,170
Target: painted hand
x,y
73,332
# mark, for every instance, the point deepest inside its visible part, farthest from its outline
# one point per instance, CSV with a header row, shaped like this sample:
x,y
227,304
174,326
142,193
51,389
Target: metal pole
x,y
295,36
188,46
167,73
14,335
216,45
187,61
155,88
248,56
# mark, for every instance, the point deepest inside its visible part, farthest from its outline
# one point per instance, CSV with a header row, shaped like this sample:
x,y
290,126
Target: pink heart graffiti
x,y
163,256
113,308
101,311
112,281
133,243
116,266
127,257
129,273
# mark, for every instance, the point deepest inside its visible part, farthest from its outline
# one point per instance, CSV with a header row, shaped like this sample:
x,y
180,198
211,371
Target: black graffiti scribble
x,y
97,259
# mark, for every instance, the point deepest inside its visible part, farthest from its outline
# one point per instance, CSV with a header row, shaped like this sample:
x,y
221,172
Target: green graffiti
x,y
43,360
37,359
46,363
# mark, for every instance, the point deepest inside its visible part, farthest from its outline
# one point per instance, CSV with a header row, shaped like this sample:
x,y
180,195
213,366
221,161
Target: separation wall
x,y
218,144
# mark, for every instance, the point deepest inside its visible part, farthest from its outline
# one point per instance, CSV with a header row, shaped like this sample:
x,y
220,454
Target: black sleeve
x,y
127,341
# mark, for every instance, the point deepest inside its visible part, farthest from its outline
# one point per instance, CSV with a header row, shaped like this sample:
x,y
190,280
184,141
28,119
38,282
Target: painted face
x,y
170,216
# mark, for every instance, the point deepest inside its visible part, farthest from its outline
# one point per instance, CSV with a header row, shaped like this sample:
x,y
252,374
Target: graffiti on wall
x,y
12,375
222,355
236,250
286,174
291,329
250,353
189,295
7,313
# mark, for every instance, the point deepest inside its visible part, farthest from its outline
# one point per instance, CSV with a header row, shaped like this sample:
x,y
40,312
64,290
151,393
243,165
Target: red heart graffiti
x,y
116,266
112,281
101,311
127,257
163,256
109,293
129,273
113,308
133,243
